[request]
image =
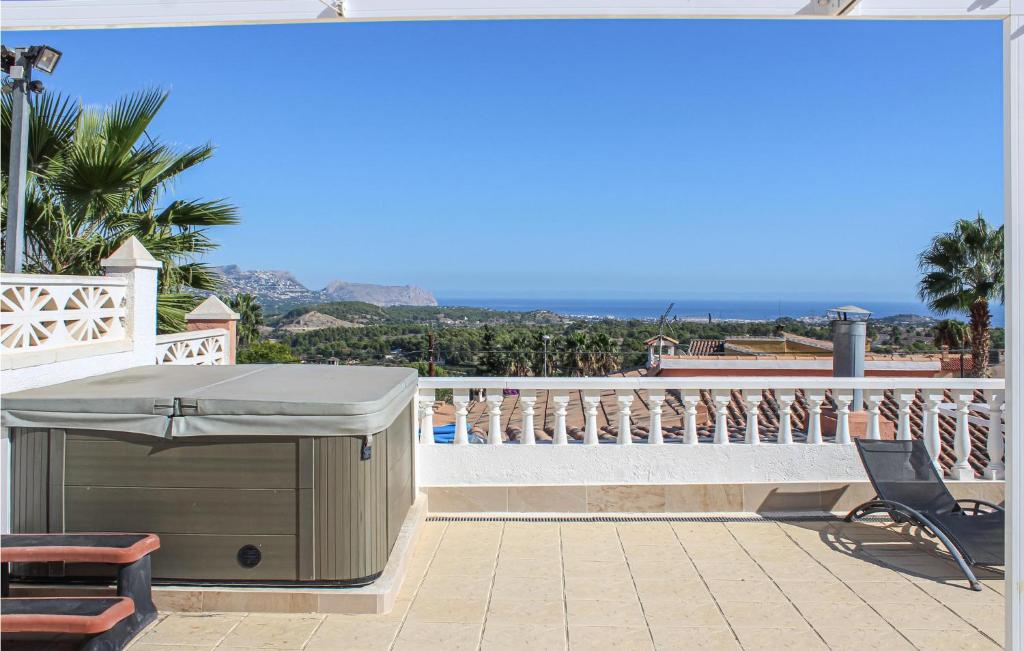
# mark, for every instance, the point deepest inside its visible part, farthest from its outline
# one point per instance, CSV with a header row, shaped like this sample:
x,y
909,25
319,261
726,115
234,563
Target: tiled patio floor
x,y
644,585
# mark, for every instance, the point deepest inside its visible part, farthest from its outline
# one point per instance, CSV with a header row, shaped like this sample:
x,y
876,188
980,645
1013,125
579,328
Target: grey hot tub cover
x,y
240,400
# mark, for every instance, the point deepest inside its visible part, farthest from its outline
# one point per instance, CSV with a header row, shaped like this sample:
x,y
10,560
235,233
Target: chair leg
x,y
135,580
957,556
864,510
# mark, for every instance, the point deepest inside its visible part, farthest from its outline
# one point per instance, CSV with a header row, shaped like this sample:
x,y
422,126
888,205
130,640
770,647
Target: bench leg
x,y
135,580
5,580
115,639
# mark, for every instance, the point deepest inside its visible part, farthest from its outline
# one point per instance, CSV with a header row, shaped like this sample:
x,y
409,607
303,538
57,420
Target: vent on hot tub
x,y
249,556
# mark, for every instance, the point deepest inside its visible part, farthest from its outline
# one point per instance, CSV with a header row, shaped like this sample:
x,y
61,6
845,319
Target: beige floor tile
x,y
607,569
689,591
956,592
922,616
802,571
429,636
890,592
518,638
143,646
747,570
597,552
534,587
592,612
598,588
341,632
265,631
836,614
683,614
454,566
853,638
443,586
773,639
677,568
526,611
951,640
752,615
527,567
201,629
988,618
800,591
447,611
715,638
763,591
599,638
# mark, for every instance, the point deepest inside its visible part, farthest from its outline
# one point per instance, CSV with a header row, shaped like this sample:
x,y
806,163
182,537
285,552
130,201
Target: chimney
x,y
849,340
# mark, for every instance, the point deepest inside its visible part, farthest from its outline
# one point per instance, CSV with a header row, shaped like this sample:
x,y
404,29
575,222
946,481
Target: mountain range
x,y
278,290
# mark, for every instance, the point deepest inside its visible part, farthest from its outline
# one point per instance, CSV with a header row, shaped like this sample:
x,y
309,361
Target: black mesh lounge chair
x,y
910,490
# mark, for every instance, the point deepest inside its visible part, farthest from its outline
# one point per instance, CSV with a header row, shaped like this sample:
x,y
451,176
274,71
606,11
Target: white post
x,y
722,399
905,398
655,401
873,400
1013,133
460,399
932,435
625,400
752,399
843,398
494,400
962,440
561,401
785,398
528,400
814,399
994,444
426,403
591,402
690,399
133,261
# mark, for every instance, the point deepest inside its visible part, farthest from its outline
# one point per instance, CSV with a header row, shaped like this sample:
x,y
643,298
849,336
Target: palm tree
x,y
604,354
573,357
96,178
250,318
964,272
951,333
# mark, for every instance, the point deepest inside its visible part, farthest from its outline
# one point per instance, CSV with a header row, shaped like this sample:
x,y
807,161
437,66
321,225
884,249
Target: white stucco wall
x,y
459,465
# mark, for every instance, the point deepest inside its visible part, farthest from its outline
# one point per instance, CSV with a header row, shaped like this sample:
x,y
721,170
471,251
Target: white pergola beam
x,y
105,14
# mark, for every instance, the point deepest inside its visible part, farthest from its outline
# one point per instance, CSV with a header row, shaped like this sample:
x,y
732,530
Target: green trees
x,y
250,318
266,352
951,333
963,272
97,177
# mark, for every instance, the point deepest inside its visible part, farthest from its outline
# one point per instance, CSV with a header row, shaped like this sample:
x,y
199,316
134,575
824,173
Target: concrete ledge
x,y
753,497
376,598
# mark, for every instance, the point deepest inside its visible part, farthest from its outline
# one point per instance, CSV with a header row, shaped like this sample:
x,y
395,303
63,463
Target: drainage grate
x,y
753,517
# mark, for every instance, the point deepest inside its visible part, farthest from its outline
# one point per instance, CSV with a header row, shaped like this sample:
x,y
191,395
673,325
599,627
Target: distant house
x,y
659,345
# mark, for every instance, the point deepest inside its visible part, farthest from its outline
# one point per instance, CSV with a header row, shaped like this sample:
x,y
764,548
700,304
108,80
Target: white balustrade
x,y
932,435
994,444
962,441
494,400
561,400
40,313
814,397
654,434
873,403
843,398
460,400
625,401
752,400
528,402
722,398
192,348
426,408
904,398
690,399
591,403
785,398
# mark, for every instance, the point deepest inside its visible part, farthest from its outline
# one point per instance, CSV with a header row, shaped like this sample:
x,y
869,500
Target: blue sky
x,y
592,159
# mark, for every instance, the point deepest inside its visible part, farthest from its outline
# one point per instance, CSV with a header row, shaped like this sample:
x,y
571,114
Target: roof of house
x,y
661,338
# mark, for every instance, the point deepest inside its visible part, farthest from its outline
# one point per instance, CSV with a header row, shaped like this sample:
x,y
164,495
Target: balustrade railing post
x,y
494,400
625,400
814,397
654,434
528,400
591,403
785,398
722,398
561,401
873,401
995,444
962,440
843,398
904,398
752,401
460,399
932,435
690,399
426,405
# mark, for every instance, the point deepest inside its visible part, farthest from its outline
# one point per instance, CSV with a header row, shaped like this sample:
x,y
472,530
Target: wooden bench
x,y
130,552
89,623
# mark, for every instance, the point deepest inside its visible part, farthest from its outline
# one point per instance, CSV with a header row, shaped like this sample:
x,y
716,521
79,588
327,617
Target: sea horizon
x,y
698,309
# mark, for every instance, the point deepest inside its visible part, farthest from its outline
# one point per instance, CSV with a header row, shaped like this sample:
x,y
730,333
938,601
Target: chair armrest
x,y
978,504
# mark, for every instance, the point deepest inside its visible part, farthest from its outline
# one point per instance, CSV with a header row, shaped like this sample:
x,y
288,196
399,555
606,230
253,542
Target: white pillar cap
x,y
212,309
130,254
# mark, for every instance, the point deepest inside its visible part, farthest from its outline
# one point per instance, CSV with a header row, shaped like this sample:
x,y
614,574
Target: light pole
x,y
546,339
18,65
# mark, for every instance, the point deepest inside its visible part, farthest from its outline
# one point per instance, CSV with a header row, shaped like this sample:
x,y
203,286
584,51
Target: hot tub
x,y
276,474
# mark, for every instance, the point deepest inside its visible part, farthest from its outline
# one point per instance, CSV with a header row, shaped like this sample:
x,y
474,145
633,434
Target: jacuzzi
x,y
250,474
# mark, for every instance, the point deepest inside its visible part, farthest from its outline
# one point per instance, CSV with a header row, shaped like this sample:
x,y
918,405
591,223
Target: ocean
x,y
746,310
